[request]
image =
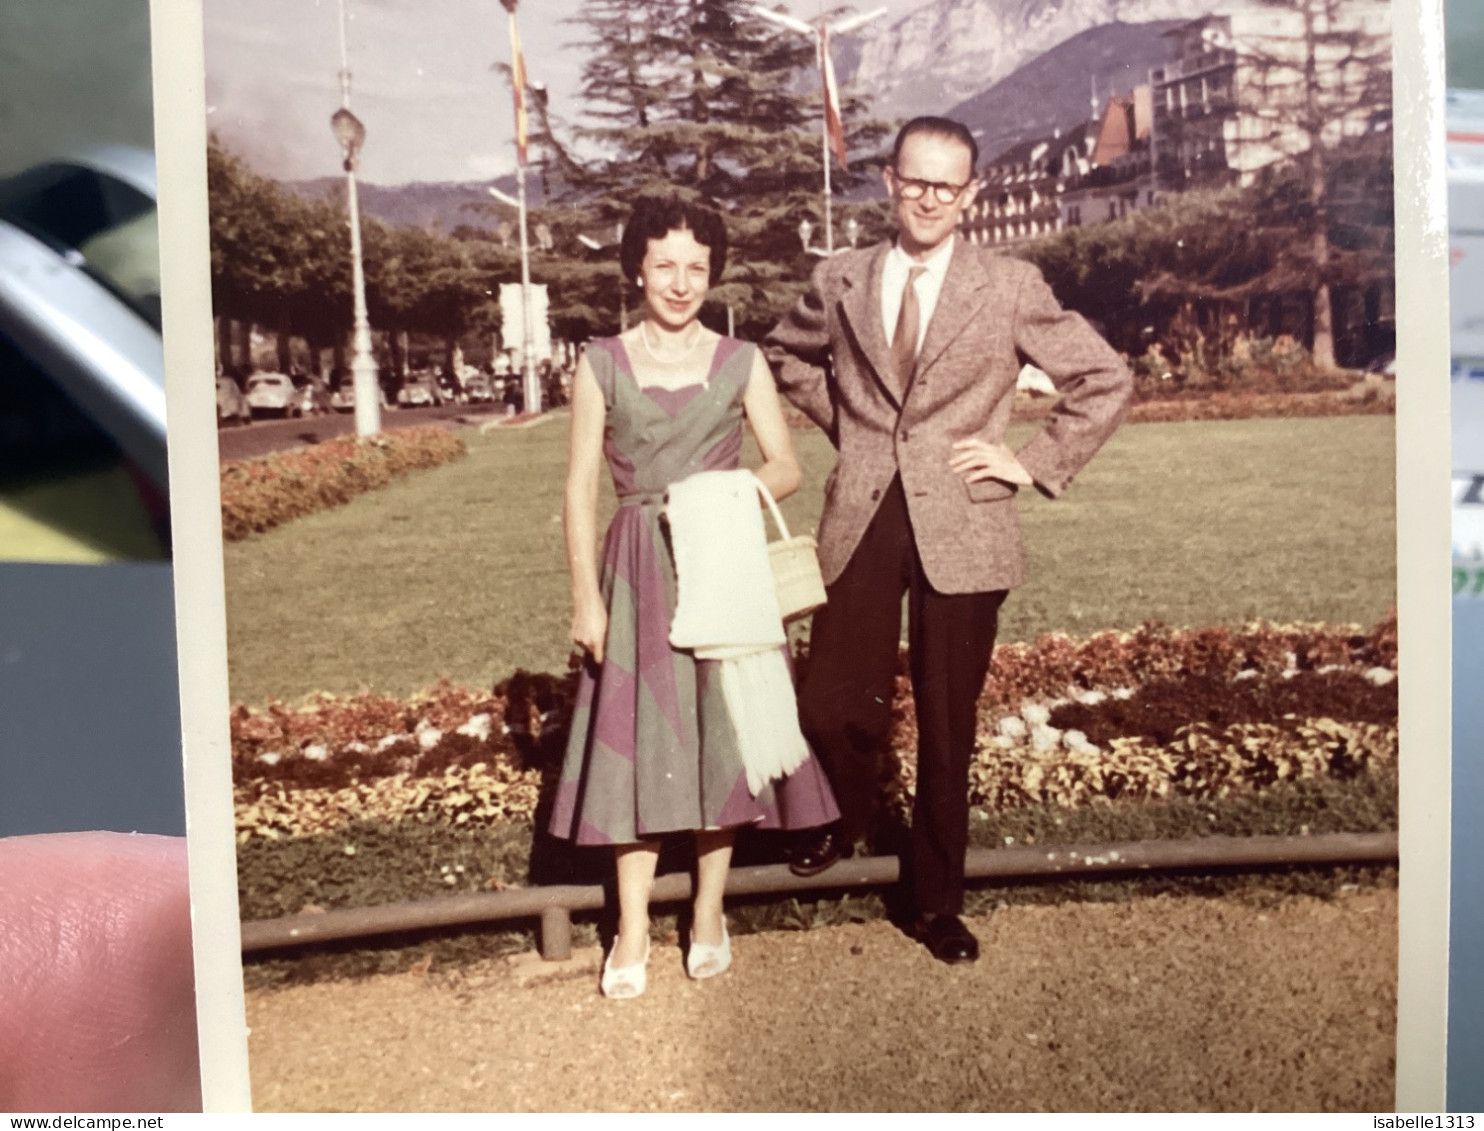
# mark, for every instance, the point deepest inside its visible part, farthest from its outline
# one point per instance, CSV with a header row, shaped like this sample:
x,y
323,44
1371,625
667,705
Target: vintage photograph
x,y
786,557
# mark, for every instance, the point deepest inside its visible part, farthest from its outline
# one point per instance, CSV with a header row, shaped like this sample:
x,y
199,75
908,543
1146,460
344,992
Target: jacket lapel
x,y
861,306
965,293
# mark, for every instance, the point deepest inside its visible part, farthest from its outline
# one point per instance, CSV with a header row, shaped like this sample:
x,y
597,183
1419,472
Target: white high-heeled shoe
x,y
625,981
705,961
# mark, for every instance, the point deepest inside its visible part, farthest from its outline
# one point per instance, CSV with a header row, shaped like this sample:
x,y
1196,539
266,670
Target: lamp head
x,y
351,135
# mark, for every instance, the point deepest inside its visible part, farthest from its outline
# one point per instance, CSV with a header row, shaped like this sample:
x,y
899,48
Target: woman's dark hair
x,y
655,217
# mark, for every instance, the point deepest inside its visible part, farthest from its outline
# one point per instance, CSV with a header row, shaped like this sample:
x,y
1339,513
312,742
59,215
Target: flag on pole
x,y
518,81
831,99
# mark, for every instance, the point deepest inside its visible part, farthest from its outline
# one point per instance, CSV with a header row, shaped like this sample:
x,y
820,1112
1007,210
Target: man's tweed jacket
x,y
832,360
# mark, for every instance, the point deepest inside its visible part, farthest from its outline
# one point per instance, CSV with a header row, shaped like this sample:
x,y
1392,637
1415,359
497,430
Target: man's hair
x,y
938,127
655,217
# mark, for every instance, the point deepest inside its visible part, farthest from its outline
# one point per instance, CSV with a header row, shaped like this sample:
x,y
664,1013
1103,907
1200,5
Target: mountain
x,y
1038,98
444,205
949,50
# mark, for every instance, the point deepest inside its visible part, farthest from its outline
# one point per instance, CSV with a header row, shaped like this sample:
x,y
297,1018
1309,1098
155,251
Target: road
x,y
261,437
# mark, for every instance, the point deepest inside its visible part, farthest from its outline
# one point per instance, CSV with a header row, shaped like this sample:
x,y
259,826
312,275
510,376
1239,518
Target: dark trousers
x,y
845,699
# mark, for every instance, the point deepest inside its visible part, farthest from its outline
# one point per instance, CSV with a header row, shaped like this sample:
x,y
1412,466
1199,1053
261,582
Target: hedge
x,y
259,494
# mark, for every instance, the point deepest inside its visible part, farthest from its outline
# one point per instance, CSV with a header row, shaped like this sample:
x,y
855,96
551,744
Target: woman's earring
x,y
639,282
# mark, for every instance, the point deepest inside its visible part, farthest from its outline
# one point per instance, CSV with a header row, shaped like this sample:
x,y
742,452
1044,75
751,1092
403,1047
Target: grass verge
x,y
459,571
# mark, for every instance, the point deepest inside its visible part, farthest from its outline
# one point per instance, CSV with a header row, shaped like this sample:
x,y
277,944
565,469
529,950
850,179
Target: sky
x,y
424,81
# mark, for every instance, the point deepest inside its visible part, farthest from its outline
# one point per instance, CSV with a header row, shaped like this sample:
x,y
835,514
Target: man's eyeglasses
x,y
943,192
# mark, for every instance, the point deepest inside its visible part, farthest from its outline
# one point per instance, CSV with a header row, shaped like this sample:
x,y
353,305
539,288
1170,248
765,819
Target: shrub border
x,y
264,492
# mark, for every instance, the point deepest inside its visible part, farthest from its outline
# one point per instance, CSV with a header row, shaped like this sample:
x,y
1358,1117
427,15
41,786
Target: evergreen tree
x,y
701,97
1322,72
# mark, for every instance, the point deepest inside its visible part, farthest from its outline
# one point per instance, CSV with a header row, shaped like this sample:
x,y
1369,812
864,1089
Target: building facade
x,y
1118,176
1249,88
1020,190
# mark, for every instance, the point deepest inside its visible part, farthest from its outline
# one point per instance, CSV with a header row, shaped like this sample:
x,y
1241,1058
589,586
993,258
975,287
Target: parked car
x,y
477,389
272,394
421,392
313,398
343,399
231,404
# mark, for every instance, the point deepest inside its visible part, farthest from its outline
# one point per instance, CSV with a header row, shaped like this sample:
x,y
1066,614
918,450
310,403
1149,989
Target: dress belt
x,y
643,499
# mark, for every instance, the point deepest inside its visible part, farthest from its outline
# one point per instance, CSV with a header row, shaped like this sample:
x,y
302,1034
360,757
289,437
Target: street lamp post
x,y
351,135
518,92
532,399
820,32
529,385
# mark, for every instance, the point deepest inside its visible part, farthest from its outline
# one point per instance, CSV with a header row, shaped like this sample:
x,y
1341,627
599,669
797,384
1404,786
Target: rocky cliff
x,y
949,50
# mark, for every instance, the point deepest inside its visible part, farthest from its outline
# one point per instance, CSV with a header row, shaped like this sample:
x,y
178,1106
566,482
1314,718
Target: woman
x,y
652,750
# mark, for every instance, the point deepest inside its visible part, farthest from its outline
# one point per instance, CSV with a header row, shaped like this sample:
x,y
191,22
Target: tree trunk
x,y
699,97
1324,320
316,355
224,344
244,346
399,354
285,344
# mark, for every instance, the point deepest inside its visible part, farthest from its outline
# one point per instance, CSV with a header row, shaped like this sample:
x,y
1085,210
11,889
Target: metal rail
x,y
554,905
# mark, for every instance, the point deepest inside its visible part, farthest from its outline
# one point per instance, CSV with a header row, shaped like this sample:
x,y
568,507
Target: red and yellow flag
x,y
518,81
831,99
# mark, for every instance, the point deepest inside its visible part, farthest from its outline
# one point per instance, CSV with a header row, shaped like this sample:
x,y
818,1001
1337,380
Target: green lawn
x,y
459,571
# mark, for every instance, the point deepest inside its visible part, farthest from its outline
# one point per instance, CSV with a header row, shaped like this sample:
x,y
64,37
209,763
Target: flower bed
x,y
1204,405
259,494
1154,713
1232,406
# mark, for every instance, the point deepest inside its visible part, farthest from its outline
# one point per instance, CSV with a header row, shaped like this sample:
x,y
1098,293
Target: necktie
x,y
904,340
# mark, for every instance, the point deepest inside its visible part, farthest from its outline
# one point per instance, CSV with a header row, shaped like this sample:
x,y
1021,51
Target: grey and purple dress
x,y
652,749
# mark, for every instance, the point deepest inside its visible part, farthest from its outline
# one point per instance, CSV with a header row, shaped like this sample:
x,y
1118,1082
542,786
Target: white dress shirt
x,y
929,286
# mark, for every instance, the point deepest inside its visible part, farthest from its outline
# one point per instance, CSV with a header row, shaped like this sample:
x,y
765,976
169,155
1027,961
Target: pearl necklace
x,y
656,356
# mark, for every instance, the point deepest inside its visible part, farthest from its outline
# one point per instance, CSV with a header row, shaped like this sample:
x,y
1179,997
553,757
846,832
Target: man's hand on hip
x,y
977,459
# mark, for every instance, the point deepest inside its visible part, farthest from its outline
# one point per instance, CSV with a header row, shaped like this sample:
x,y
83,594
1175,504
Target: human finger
x,y
96,974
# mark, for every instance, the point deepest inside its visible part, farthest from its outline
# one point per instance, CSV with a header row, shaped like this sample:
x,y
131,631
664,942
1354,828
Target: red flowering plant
x,y
1147,714
259,494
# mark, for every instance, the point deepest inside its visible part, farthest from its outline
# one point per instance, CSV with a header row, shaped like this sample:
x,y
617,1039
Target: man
x,y
906,354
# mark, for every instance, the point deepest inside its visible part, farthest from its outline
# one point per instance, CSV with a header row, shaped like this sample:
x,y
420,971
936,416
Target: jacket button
x,y
905,436
875,495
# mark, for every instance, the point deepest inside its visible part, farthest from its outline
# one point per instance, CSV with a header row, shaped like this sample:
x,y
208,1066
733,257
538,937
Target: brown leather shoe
x,y
818,849
947,939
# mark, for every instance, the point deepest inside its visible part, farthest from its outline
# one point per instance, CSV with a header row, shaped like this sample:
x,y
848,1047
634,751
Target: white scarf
x,y
727,610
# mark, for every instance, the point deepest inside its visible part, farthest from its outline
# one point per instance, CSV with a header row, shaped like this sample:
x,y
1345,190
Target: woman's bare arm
x,y
780,469
580,510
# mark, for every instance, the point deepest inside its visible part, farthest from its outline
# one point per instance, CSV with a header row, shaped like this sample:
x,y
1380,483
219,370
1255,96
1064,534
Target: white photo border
x,y
1423,550
1424,554
178,52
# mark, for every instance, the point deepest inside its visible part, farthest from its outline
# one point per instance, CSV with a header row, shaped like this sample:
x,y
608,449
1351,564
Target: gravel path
x,y
1157,1004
